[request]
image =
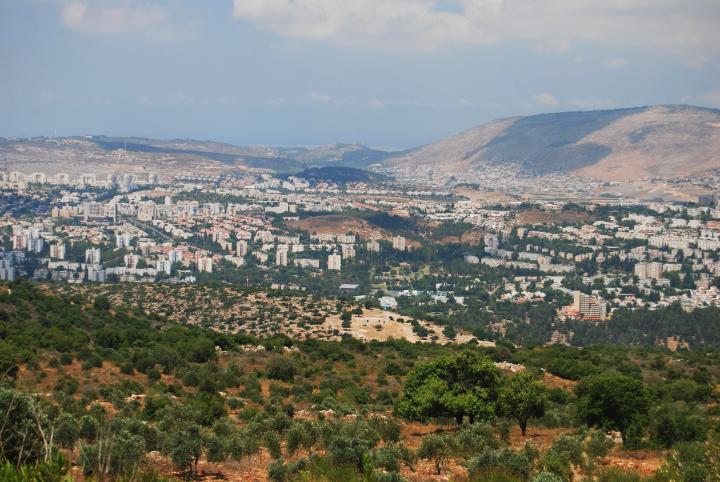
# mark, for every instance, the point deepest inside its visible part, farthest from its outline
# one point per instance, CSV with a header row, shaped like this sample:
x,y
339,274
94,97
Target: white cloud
x,y
547,100
318,97
121,17
617,63
688,28
376,103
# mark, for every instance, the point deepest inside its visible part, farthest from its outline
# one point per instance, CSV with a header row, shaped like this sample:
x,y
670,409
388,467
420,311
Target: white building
x,y
348,251
205,264
306,263
95,274
281,255
57,251
335,262
92,256
589,307
652,270
398,242
388,303
241,248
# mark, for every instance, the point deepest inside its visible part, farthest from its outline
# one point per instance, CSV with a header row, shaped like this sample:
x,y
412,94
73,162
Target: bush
x,y
546,477
688,463
53,471
519,463
277,471
438,448
102,303
154,375
495,474
282,369
66,359
24,425
617,475
670,424
67,431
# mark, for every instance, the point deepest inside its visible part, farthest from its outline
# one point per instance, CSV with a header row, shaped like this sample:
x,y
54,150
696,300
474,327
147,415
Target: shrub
x,y
282,369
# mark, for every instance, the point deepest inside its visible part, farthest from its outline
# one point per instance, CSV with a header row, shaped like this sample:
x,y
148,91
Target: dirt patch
x,y
381,325
334,224
484,198
46,378
469,238
540,437
552,381
647,462
537,216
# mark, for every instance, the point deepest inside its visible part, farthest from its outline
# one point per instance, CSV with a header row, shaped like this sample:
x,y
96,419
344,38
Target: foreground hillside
x,y
610,145
128,396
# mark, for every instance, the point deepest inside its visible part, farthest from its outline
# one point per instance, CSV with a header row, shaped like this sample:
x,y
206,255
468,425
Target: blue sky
x,y
390,73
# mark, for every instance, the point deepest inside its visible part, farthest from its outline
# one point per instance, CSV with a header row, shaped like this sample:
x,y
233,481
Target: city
x,y
367,241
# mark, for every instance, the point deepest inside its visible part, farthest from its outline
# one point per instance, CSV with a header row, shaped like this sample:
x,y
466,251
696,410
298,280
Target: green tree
x,y
458,385
184,447
214,447
612,401
672,423
8,365
438,448
24,430
282,369
688,463
302,435
102,303
67,431
521,397
128,453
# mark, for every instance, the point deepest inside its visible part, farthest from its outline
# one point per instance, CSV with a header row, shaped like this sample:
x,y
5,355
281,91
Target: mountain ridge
x,y
627,144
613,144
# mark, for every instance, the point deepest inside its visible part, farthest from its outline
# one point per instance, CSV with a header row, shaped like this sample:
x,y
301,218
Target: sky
x,y
386,73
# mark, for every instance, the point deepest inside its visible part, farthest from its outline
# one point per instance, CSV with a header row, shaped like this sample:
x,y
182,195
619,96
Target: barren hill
x,y
104,155
623,144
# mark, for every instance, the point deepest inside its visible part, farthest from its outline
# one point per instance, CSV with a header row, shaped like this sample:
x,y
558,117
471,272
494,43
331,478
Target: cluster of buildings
x,y
21,180
667,253
193,227
168,233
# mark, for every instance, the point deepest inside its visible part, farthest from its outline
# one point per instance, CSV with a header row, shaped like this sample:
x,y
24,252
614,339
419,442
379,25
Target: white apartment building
x,y
205,264
241,248
281,255
398,242
348,251
373,246
335,262
651,270
92,256
57,251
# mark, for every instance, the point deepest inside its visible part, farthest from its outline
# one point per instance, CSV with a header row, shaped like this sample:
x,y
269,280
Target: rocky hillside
x,y
623,144
104,155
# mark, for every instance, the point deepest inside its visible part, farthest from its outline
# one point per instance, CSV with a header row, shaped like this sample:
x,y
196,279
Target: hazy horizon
x,y
318,72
